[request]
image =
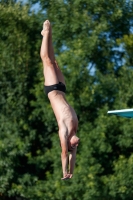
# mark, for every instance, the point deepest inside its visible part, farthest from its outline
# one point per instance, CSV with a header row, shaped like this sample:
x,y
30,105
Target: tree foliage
x,y
93,46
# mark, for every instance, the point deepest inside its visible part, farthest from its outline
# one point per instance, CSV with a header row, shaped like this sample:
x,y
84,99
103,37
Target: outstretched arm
x,y
72,159
64,154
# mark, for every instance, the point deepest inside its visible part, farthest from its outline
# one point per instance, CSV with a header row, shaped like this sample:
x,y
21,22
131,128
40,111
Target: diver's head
x,y
73,142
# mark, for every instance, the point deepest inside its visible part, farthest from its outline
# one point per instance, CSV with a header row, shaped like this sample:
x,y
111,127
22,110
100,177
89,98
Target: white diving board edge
x,y
123,113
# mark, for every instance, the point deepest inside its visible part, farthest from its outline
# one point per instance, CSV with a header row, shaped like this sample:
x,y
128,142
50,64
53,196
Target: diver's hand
x,y
67,176
70,175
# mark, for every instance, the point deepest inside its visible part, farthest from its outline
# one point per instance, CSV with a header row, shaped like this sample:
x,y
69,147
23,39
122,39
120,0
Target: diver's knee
x,y
46,60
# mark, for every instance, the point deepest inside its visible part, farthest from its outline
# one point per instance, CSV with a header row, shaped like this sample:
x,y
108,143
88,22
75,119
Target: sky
x,y
35,7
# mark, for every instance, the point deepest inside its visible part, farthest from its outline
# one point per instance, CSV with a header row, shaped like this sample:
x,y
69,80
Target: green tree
x,y
86,37
22,134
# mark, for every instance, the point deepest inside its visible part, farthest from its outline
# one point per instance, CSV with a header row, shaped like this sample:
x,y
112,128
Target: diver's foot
x,y
46,27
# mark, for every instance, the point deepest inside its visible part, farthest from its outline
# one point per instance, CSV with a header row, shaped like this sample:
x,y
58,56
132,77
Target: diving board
x,y
122,113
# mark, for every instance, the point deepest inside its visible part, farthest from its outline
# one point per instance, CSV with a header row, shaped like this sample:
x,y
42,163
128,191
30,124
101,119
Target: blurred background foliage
x,y
93,43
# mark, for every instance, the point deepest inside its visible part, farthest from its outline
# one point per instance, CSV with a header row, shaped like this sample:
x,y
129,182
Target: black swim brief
x,y
60,86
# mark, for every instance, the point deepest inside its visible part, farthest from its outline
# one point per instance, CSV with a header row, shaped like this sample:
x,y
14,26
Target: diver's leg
x,y
52,57
51,49
48,67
